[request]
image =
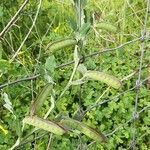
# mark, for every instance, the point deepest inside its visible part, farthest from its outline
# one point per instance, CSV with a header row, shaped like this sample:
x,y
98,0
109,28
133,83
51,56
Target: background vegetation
x,y
116,113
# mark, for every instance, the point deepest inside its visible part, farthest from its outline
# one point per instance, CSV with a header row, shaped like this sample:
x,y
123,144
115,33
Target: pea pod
x,y
54,46
44,124
106,26
103,77
83,128
37,104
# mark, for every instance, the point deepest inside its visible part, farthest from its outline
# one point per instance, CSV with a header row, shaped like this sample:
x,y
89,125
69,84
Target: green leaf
x,y
3,129
17,126
72,23
4,66
81,68
82,2
83,31
78,82
50,63
8,104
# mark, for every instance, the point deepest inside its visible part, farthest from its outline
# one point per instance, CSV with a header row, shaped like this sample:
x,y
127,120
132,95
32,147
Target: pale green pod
x,y
106,26
103,77
85,129
44,124
37,104
54,46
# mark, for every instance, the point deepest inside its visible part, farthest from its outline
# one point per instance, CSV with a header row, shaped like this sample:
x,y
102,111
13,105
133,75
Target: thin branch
x,y
72,75
100,52
33,24
133,73
29,141
144,109
19,80
13,20
49,142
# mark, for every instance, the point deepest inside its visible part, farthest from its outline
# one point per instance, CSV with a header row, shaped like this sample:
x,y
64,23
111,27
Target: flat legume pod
x,y
37,104
44,124
85,129
54,46
103,77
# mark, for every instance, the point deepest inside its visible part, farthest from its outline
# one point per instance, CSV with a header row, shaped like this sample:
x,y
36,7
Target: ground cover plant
x,y
74,74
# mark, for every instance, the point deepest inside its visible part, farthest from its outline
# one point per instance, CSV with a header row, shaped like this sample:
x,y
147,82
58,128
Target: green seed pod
x,y
44,124
106,26
103,77
60,44
37,104
85,129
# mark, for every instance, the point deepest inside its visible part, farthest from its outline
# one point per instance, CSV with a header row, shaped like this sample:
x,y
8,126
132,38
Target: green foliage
x,y
119,22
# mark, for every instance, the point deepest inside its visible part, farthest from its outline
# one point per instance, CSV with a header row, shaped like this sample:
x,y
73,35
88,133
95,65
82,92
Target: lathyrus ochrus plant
x,y
82,25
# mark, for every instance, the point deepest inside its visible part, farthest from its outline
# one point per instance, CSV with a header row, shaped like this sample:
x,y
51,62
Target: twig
x,y
33,143
29,141
13,20
129,76
51,107
38,9
19,80
72,75
109,134
102,95
49,142
133,73
135,13
100,52
139,77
